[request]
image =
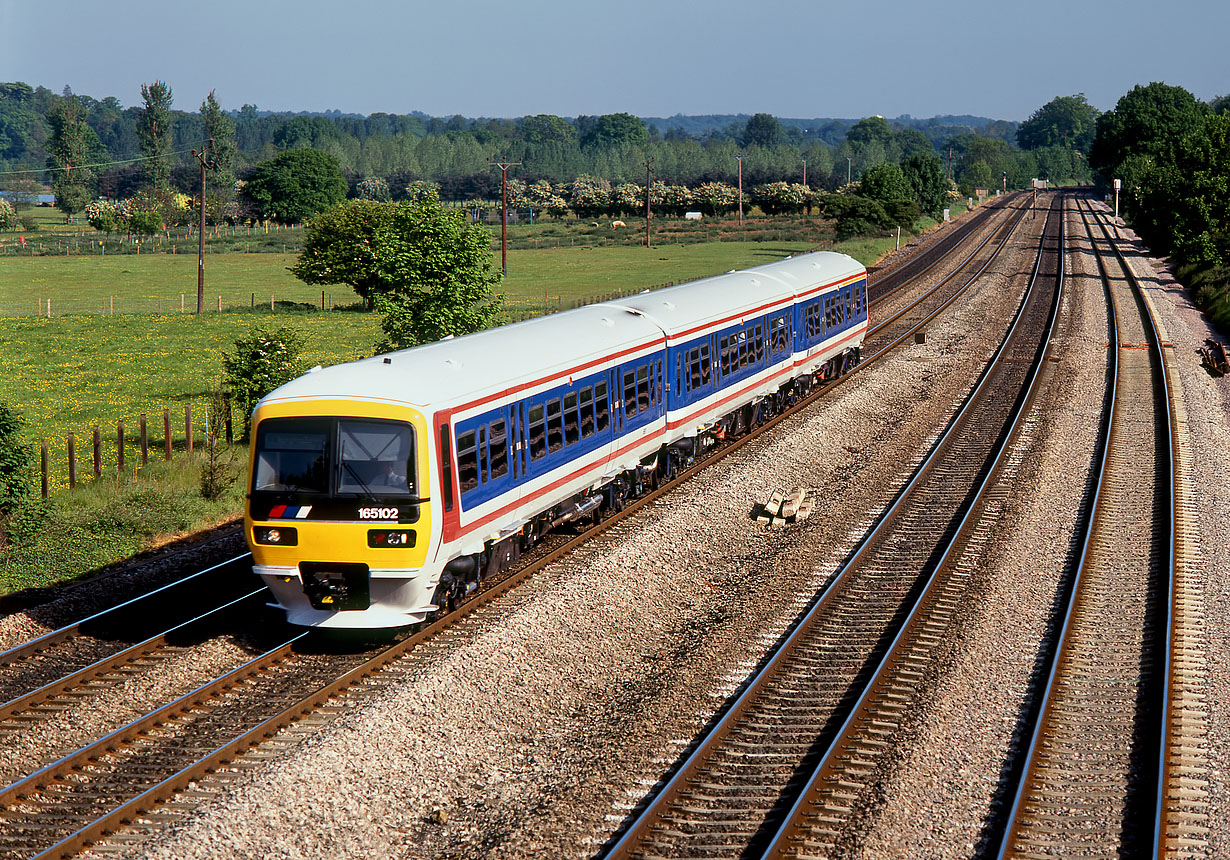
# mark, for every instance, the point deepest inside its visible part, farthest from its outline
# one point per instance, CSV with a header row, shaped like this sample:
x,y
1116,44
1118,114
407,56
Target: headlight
x,y
390,539
276,535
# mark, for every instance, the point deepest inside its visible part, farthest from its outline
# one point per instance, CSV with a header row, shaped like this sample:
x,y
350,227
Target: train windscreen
x,y
338,456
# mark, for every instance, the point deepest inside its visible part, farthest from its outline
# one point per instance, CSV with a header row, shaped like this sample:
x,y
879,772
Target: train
x,y
384,490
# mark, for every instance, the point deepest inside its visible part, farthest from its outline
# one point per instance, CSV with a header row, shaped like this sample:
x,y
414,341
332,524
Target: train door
x,y
617,401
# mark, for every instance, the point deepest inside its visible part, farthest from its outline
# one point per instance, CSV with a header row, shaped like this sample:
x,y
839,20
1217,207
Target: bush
x,y
855,216
8,215
144,223
20,511
218,467
261,362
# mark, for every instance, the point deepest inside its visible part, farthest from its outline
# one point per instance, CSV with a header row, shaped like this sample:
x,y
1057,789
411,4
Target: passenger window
x,y
467,461
694,374
724,352
629,393
587,412
555,430
572,424
678,374
499,449
538,433
602,405
705,365
642,388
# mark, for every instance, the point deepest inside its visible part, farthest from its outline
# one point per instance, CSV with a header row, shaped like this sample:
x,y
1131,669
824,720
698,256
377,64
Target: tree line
x,y
41,129
1171,153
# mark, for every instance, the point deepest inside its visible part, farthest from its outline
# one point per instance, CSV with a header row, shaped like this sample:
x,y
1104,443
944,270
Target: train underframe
x,y
462,576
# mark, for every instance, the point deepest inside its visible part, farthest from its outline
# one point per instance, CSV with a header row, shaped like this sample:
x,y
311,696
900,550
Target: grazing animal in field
x,y
615,224
593,223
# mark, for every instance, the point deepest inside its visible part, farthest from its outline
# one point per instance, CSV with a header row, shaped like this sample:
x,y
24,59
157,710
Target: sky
x,y
651,58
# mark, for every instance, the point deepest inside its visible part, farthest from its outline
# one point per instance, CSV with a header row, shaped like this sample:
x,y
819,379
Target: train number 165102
x,y
378,513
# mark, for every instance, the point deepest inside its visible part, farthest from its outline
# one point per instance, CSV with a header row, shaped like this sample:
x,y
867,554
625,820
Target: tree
x,y
873,129
373,188
977,175
1067,121
715,198
1148,122
220,129
8,215
614,129
911,141
348,245
262,361
442,273
154,132
296,185
762,130
545,128
589,196
925,174
427,269
72,148
781,197
886,182
854,215
627,198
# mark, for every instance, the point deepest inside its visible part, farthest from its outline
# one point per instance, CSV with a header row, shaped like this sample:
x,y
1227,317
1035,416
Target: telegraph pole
x,y
804,172
648,164
504,165
740,160
203,157
849,170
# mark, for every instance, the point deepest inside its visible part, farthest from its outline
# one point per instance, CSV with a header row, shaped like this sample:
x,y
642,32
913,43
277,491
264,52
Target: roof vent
x,y
388,361
314,369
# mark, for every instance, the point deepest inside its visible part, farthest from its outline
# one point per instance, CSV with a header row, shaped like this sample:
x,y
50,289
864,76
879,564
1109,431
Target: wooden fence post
x,y
97,452
166,433
72,461
43,449
119,445
144,442
188,425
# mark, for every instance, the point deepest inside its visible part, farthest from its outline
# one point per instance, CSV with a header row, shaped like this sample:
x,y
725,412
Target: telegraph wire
x,y
72,167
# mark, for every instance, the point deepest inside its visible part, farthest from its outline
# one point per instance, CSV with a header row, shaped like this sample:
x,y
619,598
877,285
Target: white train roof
x,y
734,295
459,370
466,369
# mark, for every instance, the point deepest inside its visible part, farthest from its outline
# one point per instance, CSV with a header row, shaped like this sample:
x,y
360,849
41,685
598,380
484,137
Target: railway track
x,y
1106,769
69,803
794,761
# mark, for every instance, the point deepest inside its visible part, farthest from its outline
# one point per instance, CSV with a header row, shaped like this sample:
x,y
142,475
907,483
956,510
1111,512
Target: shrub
x,y
262,361
218,467
8,215
101,215
20,512
144,223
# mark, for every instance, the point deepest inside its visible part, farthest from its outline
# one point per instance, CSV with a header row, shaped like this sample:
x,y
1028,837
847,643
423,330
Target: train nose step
x,y
783,507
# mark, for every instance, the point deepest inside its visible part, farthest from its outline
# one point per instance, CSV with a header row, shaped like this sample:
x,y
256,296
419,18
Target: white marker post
x,y
1118,184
